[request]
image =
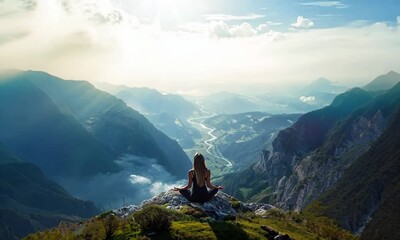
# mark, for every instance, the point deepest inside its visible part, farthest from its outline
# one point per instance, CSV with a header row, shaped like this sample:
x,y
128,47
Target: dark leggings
x,y
200,198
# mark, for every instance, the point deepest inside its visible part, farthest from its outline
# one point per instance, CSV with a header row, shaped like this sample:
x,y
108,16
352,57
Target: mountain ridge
x,y
30,202
383,82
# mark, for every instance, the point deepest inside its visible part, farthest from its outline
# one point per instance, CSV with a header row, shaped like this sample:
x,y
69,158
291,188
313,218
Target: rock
x,y
269,230
220,207
257,208
282,237
125,211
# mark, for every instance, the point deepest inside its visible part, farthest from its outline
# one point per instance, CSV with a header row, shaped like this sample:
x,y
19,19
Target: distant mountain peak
x,y
383,82
323,85
323,80
391,73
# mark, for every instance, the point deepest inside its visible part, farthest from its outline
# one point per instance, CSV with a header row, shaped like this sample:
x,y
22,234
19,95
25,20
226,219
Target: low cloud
x,y
336,4
308,99
226,17
303,23
220,29
141,178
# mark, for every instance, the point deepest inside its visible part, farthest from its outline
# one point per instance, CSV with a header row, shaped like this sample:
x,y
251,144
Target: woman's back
x,y
199,180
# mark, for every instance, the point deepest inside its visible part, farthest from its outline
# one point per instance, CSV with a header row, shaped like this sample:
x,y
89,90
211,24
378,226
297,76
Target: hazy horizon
x,y
202,46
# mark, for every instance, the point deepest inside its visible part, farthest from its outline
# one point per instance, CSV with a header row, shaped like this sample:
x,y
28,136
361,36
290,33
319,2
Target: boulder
x,y
220,207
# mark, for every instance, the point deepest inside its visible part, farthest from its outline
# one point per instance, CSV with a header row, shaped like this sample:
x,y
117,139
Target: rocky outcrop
x,y
220,207
322,168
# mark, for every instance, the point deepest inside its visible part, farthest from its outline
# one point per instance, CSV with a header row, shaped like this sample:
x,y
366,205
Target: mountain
x,y
111,122
176,128
30,202
270,174
36,130
85,139
168,112
383,82
320,169
318,94
324,85
365,198
151,101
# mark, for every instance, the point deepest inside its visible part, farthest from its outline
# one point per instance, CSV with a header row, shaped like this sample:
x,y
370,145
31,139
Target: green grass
x,y
246,226
261,195
245,191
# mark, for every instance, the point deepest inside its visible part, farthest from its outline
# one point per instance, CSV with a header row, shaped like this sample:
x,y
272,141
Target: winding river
x,y
211,148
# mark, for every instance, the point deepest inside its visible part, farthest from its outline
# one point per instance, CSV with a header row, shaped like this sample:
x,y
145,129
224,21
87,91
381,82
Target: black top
x,y
197,191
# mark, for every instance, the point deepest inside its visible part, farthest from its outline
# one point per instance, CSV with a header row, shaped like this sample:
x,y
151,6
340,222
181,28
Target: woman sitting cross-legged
x,y
199,177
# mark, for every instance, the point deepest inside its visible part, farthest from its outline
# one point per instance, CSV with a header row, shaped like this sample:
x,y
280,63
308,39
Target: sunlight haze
x,y
197,47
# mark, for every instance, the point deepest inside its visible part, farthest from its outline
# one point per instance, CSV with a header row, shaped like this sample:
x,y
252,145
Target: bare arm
x,y
189,183
208,181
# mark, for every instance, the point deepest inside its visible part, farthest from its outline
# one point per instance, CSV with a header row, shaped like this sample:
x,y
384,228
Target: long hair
x,y
200,169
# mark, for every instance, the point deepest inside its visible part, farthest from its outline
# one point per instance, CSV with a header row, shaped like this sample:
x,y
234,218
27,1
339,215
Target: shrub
x,y
275,214
153,218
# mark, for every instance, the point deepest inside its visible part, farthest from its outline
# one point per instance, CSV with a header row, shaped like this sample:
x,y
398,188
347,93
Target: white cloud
x,y
137,179
274,35
336,4
221,29
158,187
72,46
302,23
307,99
243,30
262,28
227,17
398,20
271,23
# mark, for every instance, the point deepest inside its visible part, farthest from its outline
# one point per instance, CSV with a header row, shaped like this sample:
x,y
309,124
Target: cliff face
x,y
365,200
292,168
320,152
322,168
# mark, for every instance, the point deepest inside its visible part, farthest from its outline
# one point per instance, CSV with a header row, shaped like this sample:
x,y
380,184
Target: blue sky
x,y
203,46
323,13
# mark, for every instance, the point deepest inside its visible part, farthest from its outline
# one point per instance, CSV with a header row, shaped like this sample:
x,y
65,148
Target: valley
x,y
205,145
102,150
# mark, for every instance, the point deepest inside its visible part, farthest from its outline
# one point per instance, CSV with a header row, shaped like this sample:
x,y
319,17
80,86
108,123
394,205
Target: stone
x,y
125,211
218,208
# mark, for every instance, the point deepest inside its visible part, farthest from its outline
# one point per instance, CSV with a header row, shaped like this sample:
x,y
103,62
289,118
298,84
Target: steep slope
x,y
308,133
33,128
383,82
29,202
168,112
291,146
111,121
323,167
368,193
148,100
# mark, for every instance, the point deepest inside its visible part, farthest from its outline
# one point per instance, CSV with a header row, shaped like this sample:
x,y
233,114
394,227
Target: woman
x,y
199,177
